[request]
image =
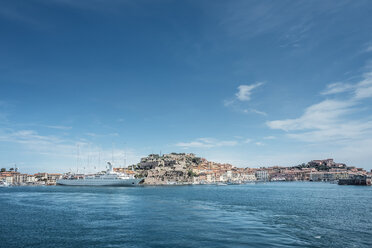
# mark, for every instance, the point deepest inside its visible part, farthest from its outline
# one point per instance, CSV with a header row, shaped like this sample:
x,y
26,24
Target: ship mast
x,y
110,167
77,158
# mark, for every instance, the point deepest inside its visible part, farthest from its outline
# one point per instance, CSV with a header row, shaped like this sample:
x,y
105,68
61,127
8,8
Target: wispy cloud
x,y
242,96
363,89
59,127
55,149
3,117
12,13
3,113
102,135
244,20
37,125
28,14
318,116
32,141
255,111
207,143
368,47
245,91
333,120
213,143
228,103
336,88
107,6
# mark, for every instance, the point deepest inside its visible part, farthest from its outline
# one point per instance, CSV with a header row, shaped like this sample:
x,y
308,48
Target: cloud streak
x,y
255,111
59,127
363,89
206,143
333,120
336,88
55,149
243,95
245,91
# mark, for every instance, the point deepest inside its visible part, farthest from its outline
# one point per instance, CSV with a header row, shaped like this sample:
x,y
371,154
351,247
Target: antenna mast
x,y
77,158
99,157
112,153
125,155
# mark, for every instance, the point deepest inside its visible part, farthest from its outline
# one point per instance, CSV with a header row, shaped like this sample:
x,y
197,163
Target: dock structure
x,y
356,180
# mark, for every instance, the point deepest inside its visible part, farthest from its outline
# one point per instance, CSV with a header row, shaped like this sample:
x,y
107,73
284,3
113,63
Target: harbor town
x,y
188,169
185,124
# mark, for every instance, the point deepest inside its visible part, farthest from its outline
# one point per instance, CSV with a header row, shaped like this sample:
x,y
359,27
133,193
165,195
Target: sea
x,y
276,214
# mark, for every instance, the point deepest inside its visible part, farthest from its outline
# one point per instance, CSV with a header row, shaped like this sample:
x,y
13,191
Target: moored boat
x,y
109,178
3,183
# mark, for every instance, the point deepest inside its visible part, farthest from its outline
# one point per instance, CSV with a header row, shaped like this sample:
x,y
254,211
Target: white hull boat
x,y
110,178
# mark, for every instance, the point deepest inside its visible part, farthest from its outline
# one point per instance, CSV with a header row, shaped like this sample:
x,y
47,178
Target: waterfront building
x,y
249,177
41,176
52,178
30,179
19,179
262,175
8,179
11,177
329,176
210,177
357,179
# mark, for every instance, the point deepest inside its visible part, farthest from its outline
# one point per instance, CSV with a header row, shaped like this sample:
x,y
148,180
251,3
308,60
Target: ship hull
x,y
99,182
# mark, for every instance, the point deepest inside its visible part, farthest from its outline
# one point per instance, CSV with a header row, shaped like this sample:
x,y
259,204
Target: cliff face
x,y
174,168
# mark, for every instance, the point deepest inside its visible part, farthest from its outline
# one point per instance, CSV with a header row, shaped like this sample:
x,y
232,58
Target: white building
x,y
262,175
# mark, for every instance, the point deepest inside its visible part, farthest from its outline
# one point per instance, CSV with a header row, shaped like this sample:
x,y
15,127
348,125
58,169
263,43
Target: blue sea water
x,y
254,215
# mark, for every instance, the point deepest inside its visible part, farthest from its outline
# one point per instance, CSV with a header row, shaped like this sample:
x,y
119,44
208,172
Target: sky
x,y
251,83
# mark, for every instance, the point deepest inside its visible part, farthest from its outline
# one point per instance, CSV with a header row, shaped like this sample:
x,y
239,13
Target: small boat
x,y
221,184
4,184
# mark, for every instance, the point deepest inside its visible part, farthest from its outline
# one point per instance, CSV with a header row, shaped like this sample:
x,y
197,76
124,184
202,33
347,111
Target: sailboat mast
x,y
77,158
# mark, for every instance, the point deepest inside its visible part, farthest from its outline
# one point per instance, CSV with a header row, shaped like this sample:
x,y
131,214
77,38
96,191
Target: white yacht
x,y
3,183
109,178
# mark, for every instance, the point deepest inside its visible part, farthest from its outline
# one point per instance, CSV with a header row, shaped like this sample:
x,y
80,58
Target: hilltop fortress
x,y
173,168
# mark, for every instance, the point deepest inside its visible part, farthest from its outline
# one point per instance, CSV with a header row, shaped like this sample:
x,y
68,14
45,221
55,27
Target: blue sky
x,y
252,83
